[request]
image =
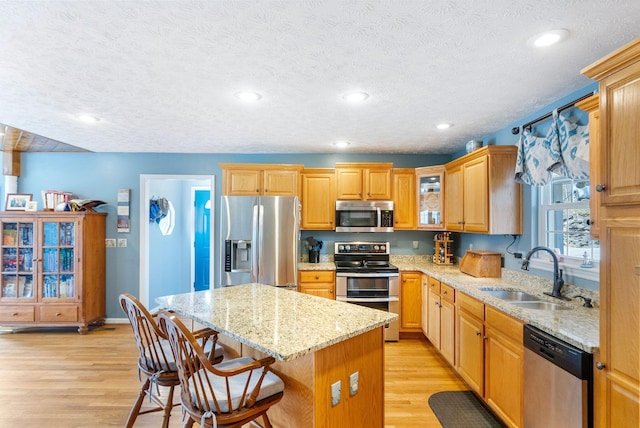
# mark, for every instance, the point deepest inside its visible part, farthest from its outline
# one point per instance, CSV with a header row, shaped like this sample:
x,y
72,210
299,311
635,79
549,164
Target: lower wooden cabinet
x,y
441,313
410,302
318,282
490,357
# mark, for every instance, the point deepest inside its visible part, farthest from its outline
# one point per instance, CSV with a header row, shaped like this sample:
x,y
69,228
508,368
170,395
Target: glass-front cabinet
x,y
430,197
18,254
58,254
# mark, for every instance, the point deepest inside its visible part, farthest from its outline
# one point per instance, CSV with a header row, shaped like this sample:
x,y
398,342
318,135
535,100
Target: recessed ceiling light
x,y
356,97
444,126
248,96
548,38
342,144
87,118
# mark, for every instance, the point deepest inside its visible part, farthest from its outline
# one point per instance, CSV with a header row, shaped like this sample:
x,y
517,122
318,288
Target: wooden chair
x,y
156,360
229,394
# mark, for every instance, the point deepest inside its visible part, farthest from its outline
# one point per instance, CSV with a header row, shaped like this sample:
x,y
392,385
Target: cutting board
x,y
482,264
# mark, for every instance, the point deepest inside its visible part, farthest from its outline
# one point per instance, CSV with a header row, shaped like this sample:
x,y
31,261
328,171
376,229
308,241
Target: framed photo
x,y
32,206
17,202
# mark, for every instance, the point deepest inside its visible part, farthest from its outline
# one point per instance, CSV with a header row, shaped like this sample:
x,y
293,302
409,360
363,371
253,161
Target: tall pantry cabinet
x,y
53,269
617,394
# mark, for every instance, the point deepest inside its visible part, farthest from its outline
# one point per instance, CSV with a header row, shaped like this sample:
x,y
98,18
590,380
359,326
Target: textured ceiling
x,y
162,75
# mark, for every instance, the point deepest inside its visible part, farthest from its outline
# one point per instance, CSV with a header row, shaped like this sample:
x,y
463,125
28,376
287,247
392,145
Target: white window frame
x,y
543,260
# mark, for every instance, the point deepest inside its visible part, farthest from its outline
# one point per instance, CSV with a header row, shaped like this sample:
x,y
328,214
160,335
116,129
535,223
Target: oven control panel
x,y
361,248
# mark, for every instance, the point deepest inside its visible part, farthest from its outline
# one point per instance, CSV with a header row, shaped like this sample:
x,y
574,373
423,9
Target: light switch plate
x,y
335,394
353,384
122,242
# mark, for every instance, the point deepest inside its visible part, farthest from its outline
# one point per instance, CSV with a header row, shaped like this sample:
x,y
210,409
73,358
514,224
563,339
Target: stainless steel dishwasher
x,y
558,387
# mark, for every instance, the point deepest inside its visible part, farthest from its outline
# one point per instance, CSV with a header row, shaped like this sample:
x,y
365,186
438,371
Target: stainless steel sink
x,y
512,295
540,305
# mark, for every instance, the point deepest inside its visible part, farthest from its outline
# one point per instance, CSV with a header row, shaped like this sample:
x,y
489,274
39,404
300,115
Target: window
x,y
563,224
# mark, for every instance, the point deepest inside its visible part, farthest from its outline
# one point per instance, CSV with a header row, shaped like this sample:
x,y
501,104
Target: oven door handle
x,y
368,299
368,275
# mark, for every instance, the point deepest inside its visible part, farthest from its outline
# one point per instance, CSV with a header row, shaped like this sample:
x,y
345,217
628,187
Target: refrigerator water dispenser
x,y
237,256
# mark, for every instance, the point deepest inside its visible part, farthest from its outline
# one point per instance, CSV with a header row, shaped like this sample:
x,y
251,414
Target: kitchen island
x,y
317,343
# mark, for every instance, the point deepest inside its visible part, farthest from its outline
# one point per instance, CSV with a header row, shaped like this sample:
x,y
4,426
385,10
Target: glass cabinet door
x,y
17,261
430,202
58,259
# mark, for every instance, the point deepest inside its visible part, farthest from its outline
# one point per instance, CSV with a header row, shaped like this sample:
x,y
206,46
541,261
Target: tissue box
x,y
482,264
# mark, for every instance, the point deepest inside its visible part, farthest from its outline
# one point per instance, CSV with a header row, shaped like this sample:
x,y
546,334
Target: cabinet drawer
x,y
17,313
447,292
504,323
58,313
471,305
434,285
317,276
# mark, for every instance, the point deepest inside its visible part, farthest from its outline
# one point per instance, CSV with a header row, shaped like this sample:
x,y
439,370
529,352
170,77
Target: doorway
x,y
168,262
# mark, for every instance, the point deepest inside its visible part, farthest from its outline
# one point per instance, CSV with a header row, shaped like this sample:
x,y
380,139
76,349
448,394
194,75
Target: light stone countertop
x,y
279,322
578,326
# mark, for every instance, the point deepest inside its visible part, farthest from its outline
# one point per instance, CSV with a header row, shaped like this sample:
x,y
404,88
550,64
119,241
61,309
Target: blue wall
x,y
100,175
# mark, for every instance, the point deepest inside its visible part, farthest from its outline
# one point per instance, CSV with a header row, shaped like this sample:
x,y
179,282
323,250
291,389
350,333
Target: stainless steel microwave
x,y
364,216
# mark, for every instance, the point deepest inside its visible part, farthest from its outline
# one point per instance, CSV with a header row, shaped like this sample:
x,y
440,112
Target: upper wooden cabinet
x,y
260,179
481,193
318,198
430,197
404,211
592,106
363,181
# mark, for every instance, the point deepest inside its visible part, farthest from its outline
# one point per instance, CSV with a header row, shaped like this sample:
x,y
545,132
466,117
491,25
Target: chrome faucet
x,y
558,282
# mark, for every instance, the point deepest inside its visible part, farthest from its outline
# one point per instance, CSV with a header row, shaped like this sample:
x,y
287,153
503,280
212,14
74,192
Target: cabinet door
x,y
470,347
620,144
18,256
430,200
410,300
349,183
378,184
242,182
619,398
425,305
503,376
280,182
404,211
318,200
434,319
475,195
453,201
57,276
447,330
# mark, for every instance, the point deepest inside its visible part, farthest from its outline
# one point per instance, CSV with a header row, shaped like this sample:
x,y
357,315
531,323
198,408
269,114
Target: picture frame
x,y
32,206
17,201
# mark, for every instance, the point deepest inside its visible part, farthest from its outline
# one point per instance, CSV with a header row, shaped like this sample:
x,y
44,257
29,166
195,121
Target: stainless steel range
x,y
365,277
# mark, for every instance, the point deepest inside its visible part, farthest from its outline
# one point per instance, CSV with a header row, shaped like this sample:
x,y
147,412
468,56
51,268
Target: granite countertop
x,y
578,325
279,322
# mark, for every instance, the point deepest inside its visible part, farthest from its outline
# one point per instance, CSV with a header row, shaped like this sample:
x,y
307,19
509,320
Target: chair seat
x,y
271,384
166,349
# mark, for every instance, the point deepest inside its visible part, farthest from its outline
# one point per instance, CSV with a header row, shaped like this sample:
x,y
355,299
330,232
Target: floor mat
x,y
462,409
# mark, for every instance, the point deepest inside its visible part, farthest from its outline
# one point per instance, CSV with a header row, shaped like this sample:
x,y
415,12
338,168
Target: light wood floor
x,y
56,378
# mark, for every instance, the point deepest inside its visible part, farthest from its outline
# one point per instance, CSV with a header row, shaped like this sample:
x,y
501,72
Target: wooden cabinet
x,y
503,365
430,197
470,341
592,106
53,269
260,179
410,301
318,199
424,319
441,313
481,195
404,206
617,398
317,282
363,181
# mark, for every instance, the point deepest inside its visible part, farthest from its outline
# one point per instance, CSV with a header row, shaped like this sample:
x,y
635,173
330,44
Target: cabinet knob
x,y
317,277
485,338
600,187
266,191
600,366
58,314
478,333
444,292
589,222
257,190
14,314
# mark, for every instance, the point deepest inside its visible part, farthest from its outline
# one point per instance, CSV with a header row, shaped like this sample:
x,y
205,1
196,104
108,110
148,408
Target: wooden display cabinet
x,y
53,269
430,197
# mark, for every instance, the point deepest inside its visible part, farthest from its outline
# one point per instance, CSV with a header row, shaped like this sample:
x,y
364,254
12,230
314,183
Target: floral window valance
x,y
564,151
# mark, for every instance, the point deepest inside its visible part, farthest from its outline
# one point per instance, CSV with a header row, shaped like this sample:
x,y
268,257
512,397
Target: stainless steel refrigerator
x,y
260,238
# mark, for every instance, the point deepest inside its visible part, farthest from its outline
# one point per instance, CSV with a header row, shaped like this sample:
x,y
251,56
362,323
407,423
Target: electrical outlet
x,y
353,384
335,394
416,244
122,242
517,255
109,242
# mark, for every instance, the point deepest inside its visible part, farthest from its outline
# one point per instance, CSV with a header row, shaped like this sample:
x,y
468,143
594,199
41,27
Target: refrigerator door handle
x,y
255,243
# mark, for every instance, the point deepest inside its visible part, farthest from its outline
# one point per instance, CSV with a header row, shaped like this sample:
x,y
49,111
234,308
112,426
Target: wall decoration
x,y
124,218
17,202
